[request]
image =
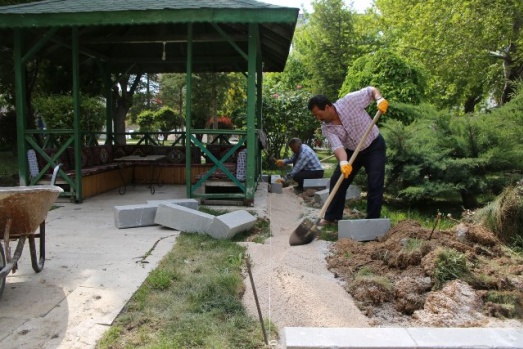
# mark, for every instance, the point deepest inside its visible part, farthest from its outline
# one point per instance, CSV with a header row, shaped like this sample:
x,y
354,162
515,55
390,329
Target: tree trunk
x,y
123,99
469,200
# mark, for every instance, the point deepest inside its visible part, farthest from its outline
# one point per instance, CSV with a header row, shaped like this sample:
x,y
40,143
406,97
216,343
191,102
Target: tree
x,y
166,119
328,45
441,154
123,92
286,116
56,112
469,47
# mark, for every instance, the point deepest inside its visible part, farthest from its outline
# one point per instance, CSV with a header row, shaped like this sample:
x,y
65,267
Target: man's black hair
x,y
319,101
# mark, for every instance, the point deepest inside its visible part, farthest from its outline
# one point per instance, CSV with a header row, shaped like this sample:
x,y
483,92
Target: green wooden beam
x,y
111,17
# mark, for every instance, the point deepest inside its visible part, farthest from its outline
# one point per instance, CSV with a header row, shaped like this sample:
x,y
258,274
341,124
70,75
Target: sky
x,y
358,5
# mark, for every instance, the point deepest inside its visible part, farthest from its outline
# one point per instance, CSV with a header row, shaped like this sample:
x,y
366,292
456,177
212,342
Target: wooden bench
x,y
100,173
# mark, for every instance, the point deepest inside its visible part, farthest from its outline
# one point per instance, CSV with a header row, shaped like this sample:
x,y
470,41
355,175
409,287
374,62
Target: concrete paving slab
x,y
132,216
363,229
346,338
353,192
388,338
189,203
316,183
276,188
142,215
467,337
228,225
183,218
274,178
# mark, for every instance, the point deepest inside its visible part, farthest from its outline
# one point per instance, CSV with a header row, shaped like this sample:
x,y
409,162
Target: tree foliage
x,y
442,155
56,112
286,116
327,46
469,47
399,81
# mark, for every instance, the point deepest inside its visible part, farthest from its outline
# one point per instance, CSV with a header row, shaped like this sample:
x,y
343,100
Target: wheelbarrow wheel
x,y
2,266
37,261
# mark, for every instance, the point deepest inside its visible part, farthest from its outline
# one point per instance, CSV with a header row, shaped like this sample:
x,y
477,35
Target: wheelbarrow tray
x,y
22,211
26,207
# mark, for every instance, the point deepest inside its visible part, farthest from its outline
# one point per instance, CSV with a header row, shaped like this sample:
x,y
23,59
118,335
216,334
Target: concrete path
x,y
91,270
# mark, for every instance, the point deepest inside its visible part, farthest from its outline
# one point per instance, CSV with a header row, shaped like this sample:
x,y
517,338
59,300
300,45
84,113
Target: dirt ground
x,y
399,280
462,277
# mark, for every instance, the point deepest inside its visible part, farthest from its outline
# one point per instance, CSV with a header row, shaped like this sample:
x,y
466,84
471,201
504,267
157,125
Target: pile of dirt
x,y
462,277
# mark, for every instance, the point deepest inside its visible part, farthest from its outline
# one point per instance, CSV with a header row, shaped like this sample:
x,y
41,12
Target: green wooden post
x,y
21,123
108,84
188,128
251,110
259,106
76,122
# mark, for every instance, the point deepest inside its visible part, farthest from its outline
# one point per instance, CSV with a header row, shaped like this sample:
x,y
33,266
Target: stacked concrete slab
x,y
188,220
228,225
142,215
182,218
183,215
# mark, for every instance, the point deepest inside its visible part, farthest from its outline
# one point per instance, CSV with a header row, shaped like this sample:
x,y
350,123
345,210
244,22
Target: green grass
x,y
192,300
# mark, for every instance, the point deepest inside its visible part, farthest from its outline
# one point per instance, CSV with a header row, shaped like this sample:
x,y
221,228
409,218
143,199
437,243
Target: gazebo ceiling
x,y
137,36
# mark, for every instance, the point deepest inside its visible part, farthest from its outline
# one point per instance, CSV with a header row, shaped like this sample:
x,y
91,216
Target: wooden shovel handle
x,y
351,160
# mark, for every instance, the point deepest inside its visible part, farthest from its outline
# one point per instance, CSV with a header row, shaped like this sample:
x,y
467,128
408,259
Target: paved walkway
x,y
91,271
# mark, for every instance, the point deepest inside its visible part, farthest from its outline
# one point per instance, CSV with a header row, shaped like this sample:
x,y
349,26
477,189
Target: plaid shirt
x,y
305,159
354,121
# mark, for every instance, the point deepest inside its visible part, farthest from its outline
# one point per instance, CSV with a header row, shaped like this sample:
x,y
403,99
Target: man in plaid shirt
x,y
305,163
344,123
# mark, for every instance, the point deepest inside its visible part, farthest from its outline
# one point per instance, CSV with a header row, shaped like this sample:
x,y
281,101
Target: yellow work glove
x,y
345,168
279,180
280,163
382,105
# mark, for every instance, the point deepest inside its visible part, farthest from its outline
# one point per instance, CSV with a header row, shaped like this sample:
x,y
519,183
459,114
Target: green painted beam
x,y
97,18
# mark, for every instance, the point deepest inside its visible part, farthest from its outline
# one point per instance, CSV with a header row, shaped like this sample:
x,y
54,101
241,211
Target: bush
x,y
57,112
504,216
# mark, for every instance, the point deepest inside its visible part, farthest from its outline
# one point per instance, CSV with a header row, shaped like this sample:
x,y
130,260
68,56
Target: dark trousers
x,y
306,174
373,159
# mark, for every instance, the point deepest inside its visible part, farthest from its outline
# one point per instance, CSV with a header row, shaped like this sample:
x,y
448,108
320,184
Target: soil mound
x,y
461,277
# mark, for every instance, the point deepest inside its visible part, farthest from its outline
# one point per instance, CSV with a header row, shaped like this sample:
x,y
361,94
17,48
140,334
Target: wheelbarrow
x,y
23,210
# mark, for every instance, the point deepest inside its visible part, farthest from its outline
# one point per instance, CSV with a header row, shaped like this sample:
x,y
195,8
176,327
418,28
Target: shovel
x,y
308,230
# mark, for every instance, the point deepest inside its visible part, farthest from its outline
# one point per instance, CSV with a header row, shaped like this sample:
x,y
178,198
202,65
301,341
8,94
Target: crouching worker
x,y
306,164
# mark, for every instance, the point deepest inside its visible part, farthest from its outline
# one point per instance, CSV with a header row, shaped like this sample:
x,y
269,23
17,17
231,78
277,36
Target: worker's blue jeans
x,y
373,159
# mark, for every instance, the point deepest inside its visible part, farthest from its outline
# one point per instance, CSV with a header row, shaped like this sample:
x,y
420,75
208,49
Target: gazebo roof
x,y
152,35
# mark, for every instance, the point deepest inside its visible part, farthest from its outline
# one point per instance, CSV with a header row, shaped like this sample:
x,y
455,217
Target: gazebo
x,y
146,36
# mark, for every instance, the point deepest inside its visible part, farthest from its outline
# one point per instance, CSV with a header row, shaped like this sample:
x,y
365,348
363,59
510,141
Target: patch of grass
x,y
505,304
259,233
214,212
450,265
192,300
329,232
414,245
424,214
